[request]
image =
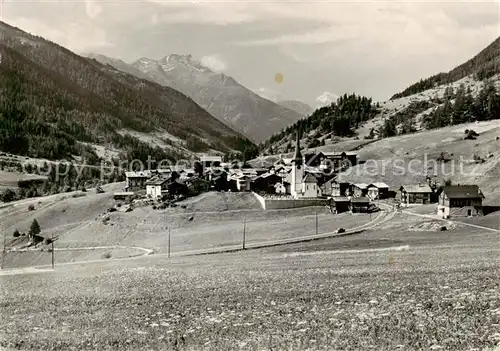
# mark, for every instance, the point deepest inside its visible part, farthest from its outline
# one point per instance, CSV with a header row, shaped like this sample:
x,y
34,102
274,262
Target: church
x,y
302,185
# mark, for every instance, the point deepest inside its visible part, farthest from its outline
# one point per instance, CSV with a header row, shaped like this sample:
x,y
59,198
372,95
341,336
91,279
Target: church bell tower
x,y
297,170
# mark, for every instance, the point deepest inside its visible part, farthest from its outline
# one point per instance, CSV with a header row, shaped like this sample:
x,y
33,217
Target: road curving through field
x,y
382,217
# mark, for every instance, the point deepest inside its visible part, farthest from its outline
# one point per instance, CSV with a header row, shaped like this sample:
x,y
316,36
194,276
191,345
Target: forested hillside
x,y
341,118
484,65
455,107
51,98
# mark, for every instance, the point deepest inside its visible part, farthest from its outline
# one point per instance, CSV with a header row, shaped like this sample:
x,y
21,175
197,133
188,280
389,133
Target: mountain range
x,y
52,100
221,95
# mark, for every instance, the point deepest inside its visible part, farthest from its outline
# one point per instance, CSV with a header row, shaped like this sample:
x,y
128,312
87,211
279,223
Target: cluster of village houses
x,y
302,177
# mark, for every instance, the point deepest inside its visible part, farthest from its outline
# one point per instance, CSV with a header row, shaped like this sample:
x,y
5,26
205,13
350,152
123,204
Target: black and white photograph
x,y
249,175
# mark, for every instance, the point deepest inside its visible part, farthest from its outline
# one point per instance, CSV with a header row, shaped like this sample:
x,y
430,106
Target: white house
x,y
155,187
136,180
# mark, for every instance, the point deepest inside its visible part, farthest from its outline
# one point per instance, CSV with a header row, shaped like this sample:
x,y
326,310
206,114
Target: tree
x,y
34,228
388,129
8,195
16,234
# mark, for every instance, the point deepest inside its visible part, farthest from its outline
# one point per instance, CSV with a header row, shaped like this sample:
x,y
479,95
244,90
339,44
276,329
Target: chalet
x,y
265,182
210,161
314,159
282,188
187,173
220,182
378,191
416,193
341,204
334,188
176,188
339,160
359,189
360,204
460,200
157,187
197,184
340,188
136,180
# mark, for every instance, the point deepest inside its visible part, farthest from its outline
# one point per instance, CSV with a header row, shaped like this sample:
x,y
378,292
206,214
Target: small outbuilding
x,y
360,204
341,204
416,193
378,191
359,189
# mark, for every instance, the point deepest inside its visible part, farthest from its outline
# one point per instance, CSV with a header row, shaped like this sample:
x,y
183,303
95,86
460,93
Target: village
x,y
300,181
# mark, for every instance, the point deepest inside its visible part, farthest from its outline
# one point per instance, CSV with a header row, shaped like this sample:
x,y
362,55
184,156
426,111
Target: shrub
x,y
111,209
16,234
8,195
107,255
31,207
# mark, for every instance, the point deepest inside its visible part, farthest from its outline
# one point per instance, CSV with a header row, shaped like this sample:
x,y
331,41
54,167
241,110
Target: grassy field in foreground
x,y
446,297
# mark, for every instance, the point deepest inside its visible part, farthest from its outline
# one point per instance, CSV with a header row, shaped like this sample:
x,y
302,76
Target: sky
x,y
319,48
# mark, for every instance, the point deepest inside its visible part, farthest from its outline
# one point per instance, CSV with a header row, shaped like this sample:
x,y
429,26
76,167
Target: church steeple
x,y
297,157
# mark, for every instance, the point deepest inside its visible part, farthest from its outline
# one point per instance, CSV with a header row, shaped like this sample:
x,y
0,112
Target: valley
x,y
262,224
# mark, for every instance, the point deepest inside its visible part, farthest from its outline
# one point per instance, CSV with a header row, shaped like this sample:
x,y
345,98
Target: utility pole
x,y
169,241
316,221
52,245
244,231
4,250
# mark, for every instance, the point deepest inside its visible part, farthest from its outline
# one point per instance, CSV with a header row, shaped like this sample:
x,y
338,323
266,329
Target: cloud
x,y
92,9
214,63
326,98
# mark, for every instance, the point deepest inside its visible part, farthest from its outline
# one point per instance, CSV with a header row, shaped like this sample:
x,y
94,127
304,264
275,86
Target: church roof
x,y
309,178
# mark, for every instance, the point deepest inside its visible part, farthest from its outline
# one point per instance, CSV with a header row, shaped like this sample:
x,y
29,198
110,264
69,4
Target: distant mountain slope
x,y
470,92
221,95
484,65
51,99
297,106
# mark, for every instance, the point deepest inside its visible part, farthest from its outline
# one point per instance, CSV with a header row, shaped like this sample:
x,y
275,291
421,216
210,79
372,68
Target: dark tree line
x,y
462,107
51,98
482,66
340,118
455,107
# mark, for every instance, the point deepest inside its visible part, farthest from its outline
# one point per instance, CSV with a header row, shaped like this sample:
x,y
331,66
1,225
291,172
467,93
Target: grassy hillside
x,y
51,98
410,158
484,65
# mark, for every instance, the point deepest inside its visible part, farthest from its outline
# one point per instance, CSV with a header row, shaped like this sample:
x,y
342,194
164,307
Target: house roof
x,y
361,185
340,199
205,158
417,188
142,174
310,179
340,153
360,200
463,192
157,181
379,185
